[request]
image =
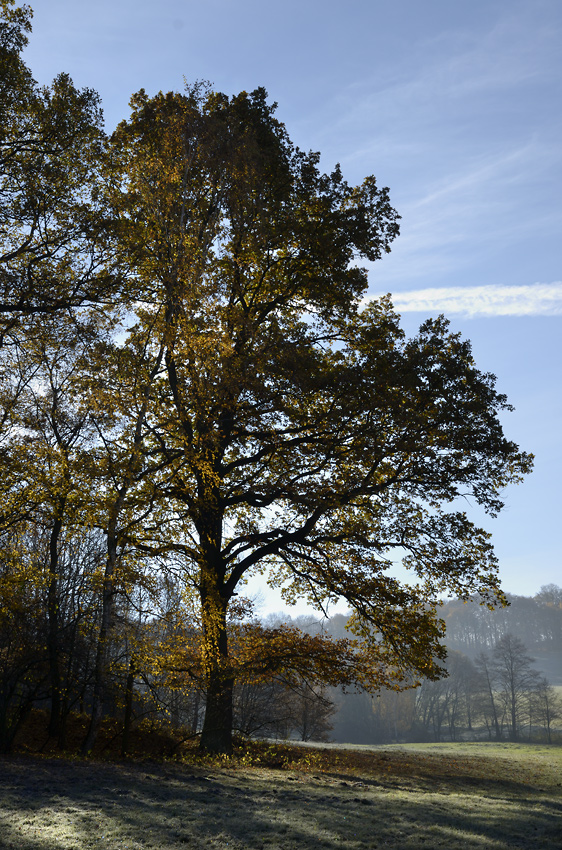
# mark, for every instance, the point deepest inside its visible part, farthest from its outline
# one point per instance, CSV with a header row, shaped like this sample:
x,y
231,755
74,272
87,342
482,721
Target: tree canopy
x,y
298,435
238,410
51,142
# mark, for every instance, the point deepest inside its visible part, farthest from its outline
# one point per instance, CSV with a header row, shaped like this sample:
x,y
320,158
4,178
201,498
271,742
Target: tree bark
x,y
129,693
102,651
53,632
216,736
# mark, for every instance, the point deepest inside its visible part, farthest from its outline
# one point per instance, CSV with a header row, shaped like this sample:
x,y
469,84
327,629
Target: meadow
x,y
280,797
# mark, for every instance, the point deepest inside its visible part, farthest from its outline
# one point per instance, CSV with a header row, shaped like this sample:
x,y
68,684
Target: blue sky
x,y
453,105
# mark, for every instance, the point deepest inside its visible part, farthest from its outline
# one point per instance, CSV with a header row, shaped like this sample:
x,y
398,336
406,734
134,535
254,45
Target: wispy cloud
x,y
461,127
538,299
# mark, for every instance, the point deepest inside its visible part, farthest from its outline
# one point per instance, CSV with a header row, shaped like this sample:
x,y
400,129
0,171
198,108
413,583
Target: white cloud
x,y
538,299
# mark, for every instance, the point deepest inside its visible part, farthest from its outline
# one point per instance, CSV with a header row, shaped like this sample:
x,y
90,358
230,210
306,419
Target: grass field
x,y
418,796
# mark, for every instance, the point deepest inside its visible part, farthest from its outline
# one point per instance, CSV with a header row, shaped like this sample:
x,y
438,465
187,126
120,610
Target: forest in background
x,y
504,676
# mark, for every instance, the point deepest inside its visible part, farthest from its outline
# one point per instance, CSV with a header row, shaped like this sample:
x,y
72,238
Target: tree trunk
x,y
129,693
216,736
53,615
102,651
195,712
492,701
513,711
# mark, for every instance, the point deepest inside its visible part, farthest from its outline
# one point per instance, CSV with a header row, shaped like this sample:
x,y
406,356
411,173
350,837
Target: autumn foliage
x,y
194,393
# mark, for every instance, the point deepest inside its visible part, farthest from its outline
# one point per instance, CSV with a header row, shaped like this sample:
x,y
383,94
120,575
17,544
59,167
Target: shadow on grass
x,y
48,804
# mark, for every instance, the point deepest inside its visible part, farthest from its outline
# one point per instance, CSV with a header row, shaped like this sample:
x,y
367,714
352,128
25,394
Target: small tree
x,y
545,705
550,594
447,704
514,679
486,703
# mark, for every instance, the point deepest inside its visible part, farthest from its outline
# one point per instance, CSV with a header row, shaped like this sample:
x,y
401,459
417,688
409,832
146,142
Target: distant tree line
x,y
496,687
536,620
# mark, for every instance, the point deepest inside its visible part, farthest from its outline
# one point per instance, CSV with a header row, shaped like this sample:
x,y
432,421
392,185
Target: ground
x,y
450,796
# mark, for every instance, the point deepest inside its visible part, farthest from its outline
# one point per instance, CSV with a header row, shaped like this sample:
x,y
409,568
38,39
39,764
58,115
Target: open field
x,y
419,796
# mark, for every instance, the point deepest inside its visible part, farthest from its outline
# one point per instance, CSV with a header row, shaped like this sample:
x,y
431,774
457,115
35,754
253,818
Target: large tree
x,y
294,434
